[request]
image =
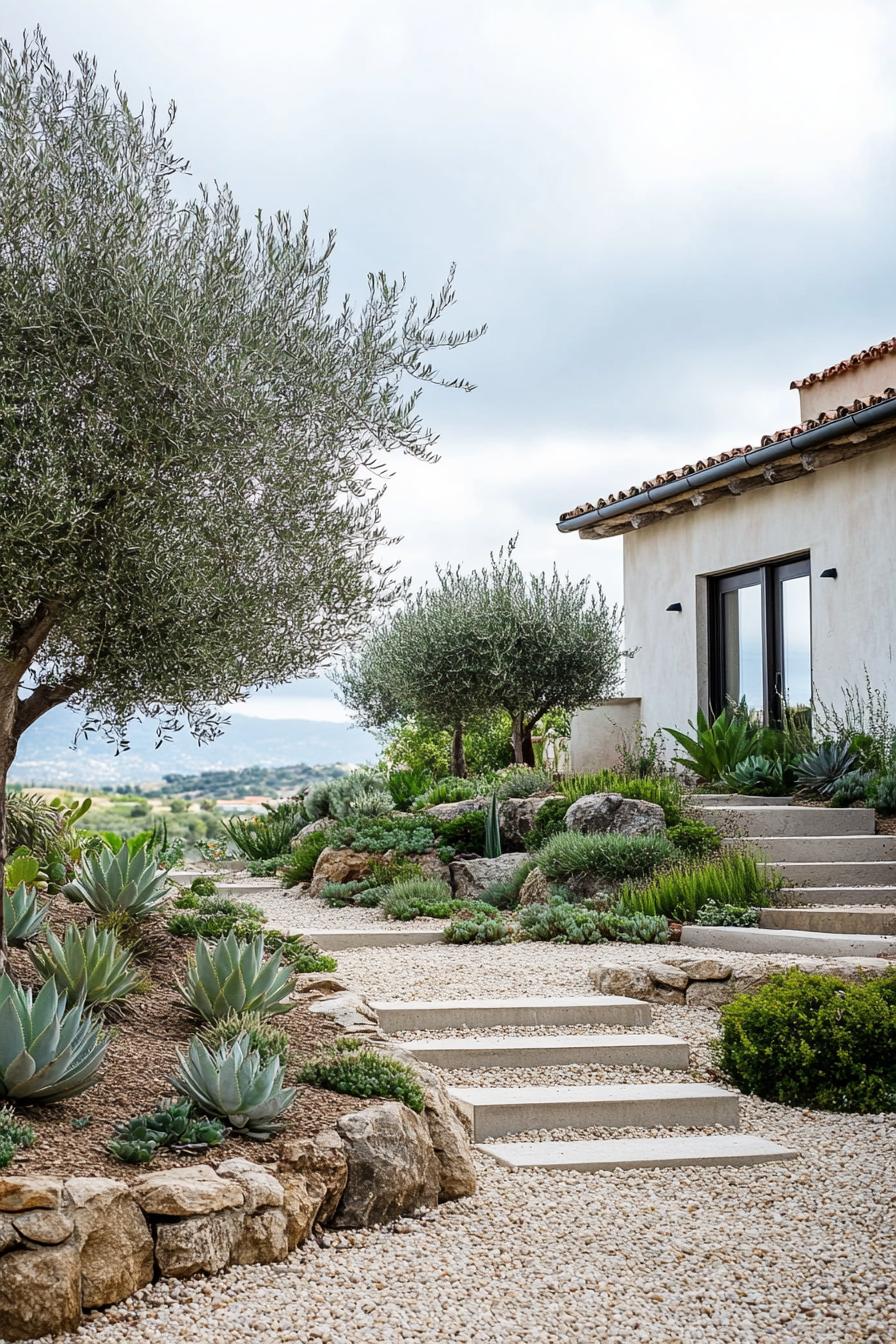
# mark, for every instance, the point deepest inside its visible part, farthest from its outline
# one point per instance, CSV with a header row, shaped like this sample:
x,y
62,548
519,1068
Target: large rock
x,y
320,1160
350,1012
261,1189
263,1238
113,1238
40,1292
706,968
322,824
448,1132
588,887
517,816
48,1227
340,865
710,993
536,890
202,1245
664,973
610,812
18,1193
470,877
186,1191
632,982
448,811
392,1167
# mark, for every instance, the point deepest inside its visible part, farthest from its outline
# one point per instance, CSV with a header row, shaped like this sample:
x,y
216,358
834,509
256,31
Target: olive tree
x,y
488,639
192,435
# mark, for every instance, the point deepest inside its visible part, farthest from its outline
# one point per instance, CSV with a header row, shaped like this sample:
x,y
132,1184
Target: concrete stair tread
x,y
798,941
821,896
443,1014
333,939
688,1150
835,873
668,1052
791,822
519,1096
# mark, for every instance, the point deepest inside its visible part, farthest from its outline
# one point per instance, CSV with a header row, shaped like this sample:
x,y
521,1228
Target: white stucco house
x,y
762,573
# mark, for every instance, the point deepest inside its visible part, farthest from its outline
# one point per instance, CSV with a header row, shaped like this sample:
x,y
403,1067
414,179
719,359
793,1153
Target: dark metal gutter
x,y
756,457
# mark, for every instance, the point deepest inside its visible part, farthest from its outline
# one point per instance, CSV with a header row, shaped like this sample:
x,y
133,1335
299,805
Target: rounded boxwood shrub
x,y
811,1040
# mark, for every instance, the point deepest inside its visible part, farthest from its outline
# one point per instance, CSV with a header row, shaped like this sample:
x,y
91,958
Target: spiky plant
x,y
269,1041
231,976
23,914
233,1083
820,770
125,883
47,1051
89,962
492,829
174,1124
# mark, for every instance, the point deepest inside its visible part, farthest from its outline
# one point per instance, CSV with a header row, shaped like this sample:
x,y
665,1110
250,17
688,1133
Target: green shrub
x,y
266,1039
611,857
717,747
733,878
621,926
558,921
337,895
358,794
299,866
504,894
882,794
521,781
267,867
478,926
465,833
204,887
379,835
263,837
549,820
451,789
418,896
301,955
351,1067
406,786
666,792
811,1040
14,1134
852,788
173,1125
729,916
761,776
213,917
694,839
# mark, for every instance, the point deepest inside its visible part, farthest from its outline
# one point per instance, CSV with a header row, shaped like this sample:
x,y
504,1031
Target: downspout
x,y
756,457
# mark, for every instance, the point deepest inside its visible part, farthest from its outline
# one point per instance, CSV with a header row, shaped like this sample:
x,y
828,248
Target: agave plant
x,y
819,771
232,976
122,883
47,1051
23,915
233,1083
492,848
719,746
89,962
771,776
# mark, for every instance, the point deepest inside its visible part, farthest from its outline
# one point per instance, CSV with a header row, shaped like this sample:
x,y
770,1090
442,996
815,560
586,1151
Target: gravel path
x,y
796,1253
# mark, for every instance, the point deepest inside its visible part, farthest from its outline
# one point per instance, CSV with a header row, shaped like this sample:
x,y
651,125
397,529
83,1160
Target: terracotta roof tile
x,y
852,362
836,413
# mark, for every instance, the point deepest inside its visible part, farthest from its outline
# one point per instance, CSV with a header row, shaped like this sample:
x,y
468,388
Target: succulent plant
x,y
23,915
89,962
819,771
231,976
268,1040
125,883
172,1125
492,829
233,1083
47,1050
760,775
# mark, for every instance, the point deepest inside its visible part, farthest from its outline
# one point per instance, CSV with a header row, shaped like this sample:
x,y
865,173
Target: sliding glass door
x,y
761,651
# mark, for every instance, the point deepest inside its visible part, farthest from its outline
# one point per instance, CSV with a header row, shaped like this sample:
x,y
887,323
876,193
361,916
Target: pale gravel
x,y
802,1252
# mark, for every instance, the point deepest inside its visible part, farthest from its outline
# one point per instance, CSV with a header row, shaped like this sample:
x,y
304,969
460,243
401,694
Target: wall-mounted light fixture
x,y
674,606
829,574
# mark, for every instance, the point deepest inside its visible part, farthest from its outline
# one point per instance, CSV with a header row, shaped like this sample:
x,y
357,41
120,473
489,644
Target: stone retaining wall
x,y
707,982
70,1245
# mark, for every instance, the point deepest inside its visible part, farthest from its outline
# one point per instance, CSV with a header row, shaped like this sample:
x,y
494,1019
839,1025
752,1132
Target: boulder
x,y
261,1189
340,865
448,811
320,1160
48,1227
319,982
470,877
9,1237
430,864
185,1191
665,994
202,1245
517,816
536,890
18,1193
350,1012
304,1196
587,887
447,1130
603,812
663,973
710,993
40,1292
706,968
322,824
113,1238
392,1167
263,1238
630,981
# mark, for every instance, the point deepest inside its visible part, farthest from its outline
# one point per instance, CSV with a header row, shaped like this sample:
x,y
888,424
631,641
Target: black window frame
x,y
768,576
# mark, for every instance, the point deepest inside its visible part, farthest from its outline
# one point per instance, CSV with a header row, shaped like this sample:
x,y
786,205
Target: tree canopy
x,y
492,638
192,433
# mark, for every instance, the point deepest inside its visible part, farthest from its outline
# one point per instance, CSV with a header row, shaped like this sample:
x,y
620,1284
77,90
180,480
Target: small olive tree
x,y
493,638
191,434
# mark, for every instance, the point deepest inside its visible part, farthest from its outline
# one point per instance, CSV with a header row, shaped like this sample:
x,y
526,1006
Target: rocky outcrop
x,y
392,1167
517,816
709,983
598,812
448,811
470,877
322,824
184,1191
40,1291
536,890
340,865
113,1238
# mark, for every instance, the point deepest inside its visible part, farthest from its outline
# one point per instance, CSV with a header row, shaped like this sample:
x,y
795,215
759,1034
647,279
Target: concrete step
x,y
787,940
687,1150
790,821
880,873
831,919
821,848
533,1052
443,1015
334,939
736,800
494,1111
184,876
840,895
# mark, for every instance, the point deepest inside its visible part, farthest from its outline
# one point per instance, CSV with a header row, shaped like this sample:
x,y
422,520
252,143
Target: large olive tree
x,y
488,639
191,433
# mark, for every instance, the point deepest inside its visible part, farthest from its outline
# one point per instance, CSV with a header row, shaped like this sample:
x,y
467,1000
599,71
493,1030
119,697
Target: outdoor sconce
x,y
829,573
674,606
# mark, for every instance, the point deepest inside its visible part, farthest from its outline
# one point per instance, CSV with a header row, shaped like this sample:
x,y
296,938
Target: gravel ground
x,y
796,1253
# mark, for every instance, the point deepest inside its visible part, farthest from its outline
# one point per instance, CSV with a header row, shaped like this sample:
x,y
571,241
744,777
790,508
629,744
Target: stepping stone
x,y
690,1150
791,821
442,1015
823,874
831,919
787,940
334,939
532,1052
494,1111
821,848
840,895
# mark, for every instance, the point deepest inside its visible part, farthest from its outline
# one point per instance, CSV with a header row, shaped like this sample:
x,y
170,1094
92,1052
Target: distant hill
x,y
46,756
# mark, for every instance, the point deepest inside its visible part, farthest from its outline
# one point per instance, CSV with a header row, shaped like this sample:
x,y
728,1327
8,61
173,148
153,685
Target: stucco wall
x,y
595,734
843,515
862,381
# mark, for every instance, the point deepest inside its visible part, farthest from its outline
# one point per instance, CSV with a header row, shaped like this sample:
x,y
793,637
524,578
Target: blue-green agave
x,y
122,883
232,1082
23,914
48,1051
232,976
88,962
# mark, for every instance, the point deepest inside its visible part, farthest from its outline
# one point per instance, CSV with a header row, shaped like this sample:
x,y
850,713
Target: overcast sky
x,y
664,212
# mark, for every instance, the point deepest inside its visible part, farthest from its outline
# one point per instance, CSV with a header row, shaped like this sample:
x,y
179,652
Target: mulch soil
x,y
147,1031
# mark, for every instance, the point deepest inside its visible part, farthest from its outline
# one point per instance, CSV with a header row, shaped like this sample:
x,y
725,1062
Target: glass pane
x,y
797,643
742,625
